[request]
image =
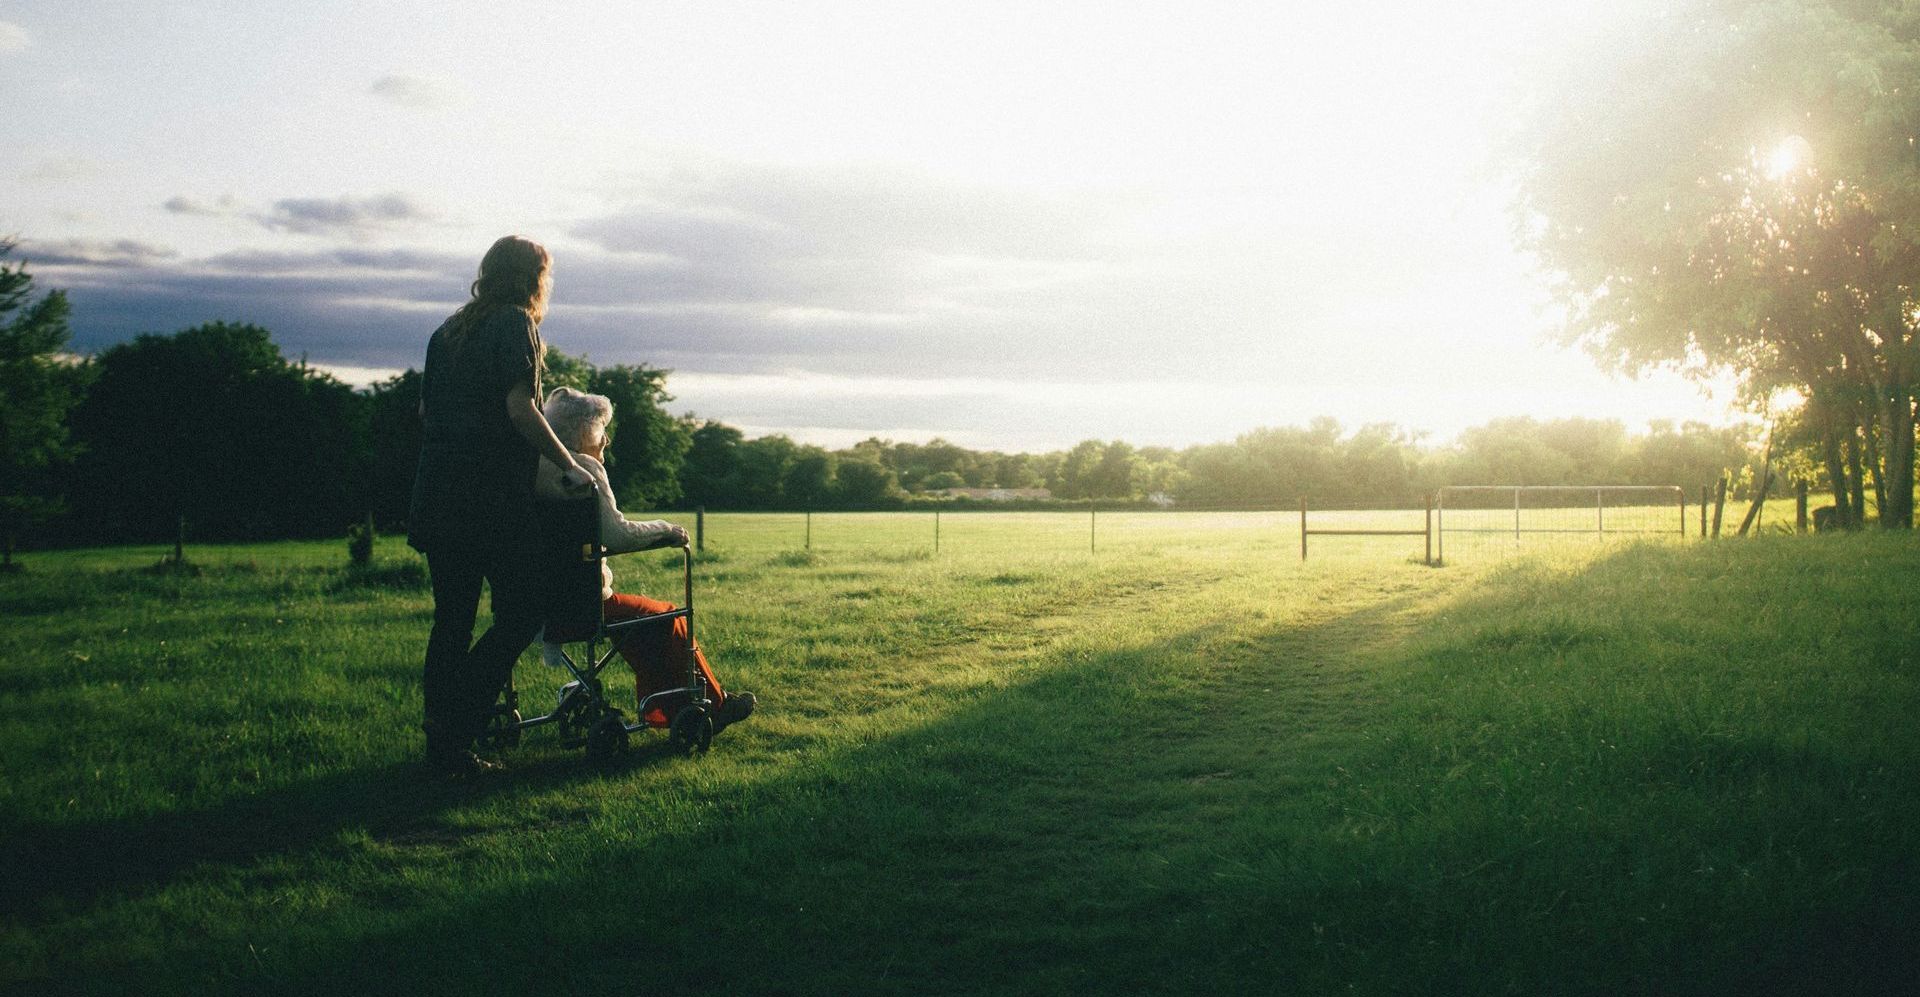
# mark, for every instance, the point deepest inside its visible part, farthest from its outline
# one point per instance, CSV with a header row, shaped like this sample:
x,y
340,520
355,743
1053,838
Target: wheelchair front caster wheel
x,y
607,739
692,729
503,729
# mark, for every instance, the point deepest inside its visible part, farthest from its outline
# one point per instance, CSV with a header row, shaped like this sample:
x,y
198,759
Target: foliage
x,y
1735,186
38,388
212,424
710,474
648,446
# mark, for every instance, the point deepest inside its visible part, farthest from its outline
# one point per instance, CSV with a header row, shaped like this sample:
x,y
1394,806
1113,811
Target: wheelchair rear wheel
x,y
608,737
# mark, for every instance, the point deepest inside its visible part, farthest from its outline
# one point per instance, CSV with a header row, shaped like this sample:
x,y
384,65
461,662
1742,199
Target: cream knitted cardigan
x,y
618,534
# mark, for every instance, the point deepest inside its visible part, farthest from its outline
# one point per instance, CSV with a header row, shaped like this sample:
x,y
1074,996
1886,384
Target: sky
x,y
1011,225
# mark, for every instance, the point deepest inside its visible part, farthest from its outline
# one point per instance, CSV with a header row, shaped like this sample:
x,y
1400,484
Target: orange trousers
x,y
658,654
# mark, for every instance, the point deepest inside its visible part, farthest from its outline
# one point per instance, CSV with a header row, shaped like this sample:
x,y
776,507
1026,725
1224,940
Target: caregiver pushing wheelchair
x,y
484,440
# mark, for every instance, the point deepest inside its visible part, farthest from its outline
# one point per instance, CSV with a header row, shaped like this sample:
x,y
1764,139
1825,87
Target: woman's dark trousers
x,y
462,682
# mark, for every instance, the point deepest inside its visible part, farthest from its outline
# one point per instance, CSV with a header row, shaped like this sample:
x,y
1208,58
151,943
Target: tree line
x,y
215,427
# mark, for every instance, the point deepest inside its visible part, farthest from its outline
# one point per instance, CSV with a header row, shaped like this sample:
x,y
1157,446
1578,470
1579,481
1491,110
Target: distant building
x,y
992,494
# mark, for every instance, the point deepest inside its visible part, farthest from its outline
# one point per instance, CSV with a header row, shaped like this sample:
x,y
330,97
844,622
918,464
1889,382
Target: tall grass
x,y
1181,764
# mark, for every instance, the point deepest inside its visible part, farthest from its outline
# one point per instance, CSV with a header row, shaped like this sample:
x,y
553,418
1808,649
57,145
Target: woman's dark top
x,y
474,486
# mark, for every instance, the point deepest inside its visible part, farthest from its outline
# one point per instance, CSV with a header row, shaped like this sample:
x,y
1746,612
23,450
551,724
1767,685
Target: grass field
x,y
1186,763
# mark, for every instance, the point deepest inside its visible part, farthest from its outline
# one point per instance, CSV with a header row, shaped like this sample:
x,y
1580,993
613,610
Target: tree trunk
x,y
1837,477
1875,464
1896,420
1856,481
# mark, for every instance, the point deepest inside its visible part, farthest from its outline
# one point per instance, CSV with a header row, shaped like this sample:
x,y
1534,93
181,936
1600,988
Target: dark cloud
x,y
182,205
115,254
341,215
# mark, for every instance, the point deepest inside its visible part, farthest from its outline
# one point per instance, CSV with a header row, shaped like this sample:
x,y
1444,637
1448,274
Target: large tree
x,y
1735,186
38,387
214,426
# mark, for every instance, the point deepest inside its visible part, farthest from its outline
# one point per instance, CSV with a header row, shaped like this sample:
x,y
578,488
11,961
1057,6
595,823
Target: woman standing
x,y
482,438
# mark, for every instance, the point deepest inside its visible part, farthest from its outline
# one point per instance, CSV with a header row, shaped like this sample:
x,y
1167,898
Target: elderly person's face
x,y
595,445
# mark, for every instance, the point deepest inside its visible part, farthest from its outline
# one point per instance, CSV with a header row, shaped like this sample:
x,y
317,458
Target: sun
x,y
1788,157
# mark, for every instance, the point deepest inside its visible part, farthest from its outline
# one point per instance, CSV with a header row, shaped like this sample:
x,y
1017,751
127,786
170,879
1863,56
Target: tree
x,y
1734,185
38,388
1113,477
764,465
710,473
809,481
212,424
648,447
393,419
862,482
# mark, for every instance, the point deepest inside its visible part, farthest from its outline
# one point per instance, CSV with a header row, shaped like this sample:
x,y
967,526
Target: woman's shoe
x,y
460,761
448,757
736,707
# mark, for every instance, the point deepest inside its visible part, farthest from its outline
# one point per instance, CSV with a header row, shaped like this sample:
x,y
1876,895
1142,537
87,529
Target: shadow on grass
x,y
62,865
1103,827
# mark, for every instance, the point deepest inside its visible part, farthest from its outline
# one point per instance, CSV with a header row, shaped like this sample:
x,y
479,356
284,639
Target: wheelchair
x,y
570,554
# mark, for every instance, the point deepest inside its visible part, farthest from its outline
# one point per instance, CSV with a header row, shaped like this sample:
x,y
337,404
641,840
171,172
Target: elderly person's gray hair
x,y
577,417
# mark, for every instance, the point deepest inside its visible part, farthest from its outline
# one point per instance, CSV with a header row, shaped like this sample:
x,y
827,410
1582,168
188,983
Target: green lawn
x,y
1186,763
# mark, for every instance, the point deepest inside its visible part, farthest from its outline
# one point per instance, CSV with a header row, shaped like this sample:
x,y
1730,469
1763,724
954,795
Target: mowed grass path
x,y
1188,763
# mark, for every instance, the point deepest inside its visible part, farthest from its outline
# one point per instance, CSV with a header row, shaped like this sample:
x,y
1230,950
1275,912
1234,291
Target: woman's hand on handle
x,y
575,478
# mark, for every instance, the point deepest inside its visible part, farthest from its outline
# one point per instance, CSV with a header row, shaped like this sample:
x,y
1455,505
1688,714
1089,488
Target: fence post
x,y
1429,560
1516,514
1800,506
1303,527
699,527
936,529
1706,495
1719,505
809,529
1093,529
1599,513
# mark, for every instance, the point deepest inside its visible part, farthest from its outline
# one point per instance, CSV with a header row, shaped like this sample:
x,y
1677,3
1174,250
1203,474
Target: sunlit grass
x,y
1187,761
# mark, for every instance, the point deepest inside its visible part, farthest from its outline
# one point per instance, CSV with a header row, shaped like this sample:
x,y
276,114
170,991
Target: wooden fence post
x,y
1706,498
1429,559
699,527
1800,506
1303,527
1719,505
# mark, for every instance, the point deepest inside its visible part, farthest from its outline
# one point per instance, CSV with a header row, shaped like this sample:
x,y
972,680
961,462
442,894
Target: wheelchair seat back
x,y
570,554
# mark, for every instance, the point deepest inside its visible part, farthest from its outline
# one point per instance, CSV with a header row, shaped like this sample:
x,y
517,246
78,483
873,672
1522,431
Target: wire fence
x,y
1494,520
1461,523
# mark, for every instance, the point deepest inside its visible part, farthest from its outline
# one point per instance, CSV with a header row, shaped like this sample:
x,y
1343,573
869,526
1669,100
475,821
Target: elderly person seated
x,y
658,655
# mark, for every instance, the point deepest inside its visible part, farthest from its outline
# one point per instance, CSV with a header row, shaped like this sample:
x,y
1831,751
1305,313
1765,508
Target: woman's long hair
x,y
516,272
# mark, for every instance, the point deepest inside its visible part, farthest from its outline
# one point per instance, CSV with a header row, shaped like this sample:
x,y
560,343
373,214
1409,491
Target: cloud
x,y
61,169
341,215
115,254
425,92
13,38
182,205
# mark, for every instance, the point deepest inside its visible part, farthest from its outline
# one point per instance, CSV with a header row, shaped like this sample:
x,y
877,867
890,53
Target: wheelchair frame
x,y
583,713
